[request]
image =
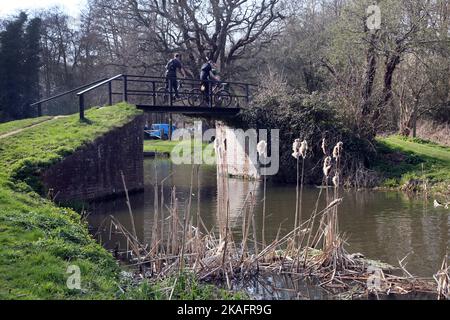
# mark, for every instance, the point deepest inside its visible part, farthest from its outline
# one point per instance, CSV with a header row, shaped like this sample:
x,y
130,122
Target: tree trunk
x,y
386,98
369,77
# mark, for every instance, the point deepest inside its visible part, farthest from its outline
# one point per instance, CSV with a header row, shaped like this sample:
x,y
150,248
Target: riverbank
x,y
163,148
204,254
403,164
39,239
413,165
42,243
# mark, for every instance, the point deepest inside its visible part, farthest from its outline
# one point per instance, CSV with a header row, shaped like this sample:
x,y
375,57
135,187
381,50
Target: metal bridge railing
x,y
161,93
39,103
98,85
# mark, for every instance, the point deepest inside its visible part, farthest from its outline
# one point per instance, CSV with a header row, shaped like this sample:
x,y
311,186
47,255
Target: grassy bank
x,y
39,240
20,124
413,164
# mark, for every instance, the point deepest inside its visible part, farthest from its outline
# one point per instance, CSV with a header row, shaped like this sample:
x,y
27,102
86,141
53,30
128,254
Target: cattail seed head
x,y
303,149
337,150
296,145
327,167
261,148
296,148
324,146
336,180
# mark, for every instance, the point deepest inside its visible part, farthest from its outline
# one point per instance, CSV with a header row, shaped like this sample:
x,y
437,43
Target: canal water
x,y
381,225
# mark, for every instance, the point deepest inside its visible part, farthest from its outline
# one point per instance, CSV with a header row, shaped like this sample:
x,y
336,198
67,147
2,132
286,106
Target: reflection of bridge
x,y
150,94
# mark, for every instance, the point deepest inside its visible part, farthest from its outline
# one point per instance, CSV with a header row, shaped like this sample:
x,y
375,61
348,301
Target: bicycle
x,y
163,94
219,92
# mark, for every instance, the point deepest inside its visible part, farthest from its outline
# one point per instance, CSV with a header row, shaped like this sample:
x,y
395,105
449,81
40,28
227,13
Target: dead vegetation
x,y
435,132
443,280
315,248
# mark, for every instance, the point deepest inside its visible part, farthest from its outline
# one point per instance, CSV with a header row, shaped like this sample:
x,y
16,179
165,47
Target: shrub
x,y
311,118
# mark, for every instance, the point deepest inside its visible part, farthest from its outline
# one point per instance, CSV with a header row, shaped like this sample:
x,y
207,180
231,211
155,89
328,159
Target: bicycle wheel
x,y
222,99
162,96
184,97
195,98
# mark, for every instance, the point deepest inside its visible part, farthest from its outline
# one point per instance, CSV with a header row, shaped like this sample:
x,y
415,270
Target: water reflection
x,y
382,225
283,287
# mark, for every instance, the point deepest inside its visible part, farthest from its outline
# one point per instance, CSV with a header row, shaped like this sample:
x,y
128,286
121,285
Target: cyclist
x,y
207,76
171,73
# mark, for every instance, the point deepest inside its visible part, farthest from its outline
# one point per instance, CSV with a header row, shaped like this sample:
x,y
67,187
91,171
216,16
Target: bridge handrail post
x,y
170,92
125,88
170,127
154,92
110,102
81,106
210,93
64,93
247,93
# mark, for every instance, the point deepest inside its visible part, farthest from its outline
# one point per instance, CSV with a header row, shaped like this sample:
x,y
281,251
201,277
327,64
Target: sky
x,y
10,7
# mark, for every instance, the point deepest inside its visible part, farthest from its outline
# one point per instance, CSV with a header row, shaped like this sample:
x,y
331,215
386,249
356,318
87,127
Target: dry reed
x,y
220,259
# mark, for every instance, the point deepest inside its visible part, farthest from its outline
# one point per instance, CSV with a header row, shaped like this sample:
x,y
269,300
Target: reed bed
x,y
314,248
443,281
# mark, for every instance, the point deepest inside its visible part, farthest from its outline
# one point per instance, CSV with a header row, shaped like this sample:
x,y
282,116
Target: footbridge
x,y
155,95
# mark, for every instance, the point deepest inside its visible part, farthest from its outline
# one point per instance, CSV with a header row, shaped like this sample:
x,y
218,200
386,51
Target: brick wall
x,y
93,172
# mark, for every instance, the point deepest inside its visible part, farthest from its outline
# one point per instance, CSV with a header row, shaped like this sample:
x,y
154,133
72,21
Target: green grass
x,y
165,146
27,154
40,240
20,124
159,146
402,160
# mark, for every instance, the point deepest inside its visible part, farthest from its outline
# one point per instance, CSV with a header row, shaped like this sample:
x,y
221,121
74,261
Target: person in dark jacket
x,y
172,67
207,77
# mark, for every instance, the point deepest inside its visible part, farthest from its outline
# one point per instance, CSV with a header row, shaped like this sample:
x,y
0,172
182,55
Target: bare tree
x,y
222,30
